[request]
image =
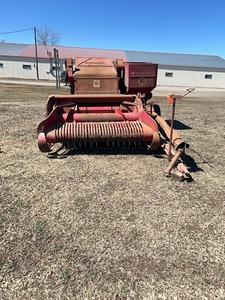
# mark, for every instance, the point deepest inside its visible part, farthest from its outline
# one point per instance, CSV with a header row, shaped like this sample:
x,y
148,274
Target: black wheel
x,y
72,88
149,96
157,109
63,77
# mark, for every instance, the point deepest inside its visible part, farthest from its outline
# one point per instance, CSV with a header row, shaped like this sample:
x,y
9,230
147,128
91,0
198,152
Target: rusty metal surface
x,y
95,76
140,77
176,138
87,100
102,75
124,120
89,132
101,114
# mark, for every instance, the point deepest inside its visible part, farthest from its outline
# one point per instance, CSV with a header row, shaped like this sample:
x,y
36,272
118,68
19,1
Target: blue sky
x,y
161,26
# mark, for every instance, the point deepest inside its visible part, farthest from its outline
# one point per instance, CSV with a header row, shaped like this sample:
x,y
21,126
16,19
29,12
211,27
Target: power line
x,y
15,31
35,42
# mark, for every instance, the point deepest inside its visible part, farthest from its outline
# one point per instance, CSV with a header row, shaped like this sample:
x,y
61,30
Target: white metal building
x,y
18,61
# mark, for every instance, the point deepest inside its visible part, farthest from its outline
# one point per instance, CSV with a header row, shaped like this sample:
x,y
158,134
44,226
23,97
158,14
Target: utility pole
x,y
36,54
57,68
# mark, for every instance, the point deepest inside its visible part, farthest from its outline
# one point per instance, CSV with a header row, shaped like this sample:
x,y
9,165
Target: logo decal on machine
x,y
142,82
96,83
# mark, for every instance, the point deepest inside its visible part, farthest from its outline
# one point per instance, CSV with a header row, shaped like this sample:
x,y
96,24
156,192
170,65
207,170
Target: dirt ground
x,y
98,226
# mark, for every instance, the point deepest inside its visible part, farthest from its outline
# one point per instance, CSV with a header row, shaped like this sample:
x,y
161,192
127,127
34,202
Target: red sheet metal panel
x,y
95,76
76,122
140,77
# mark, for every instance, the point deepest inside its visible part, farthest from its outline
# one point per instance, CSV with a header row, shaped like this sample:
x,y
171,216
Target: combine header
x,y
110,106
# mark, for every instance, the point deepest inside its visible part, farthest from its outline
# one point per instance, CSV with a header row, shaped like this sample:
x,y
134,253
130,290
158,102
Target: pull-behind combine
x,y
110,106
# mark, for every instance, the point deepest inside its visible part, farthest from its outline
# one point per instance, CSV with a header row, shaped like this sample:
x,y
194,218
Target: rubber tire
x,y
157,109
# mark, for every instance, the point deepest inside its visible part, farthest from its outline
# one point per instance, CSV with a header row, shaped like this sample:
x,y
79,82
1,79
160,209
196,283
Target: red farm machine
x,y
110,106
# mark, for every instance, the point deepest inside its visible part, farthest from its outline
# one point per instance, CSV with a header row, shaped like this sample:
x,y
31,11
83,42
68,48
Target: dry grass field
x,y
110,226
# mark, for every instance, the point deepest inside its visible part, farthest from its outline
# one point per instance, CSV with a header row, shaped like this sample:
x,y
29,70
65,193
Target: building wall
x,y
180,77
191,78
19,69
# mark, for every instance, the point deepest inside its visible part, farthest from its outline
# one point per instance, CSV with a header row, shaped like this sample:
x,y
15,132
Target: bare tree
x,y
46,36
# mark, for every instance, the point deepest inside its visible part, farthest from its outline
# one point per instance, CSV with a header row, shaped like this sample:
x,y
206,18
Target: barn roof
x,y
165,59
10,49
175,59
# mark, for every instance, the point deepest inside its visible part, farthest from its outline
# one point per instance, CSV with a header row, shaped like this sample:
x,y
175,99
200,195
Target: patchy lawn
x,y
98,226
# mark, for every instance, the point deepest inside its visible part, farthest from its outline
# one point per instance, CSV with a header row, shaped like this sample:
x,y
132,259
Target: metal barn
x,y
18,61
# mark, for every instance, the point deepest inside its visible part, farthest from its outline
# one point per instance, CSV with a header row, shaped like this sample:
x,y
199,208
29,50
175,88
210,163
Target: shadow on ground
x,y
179,125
